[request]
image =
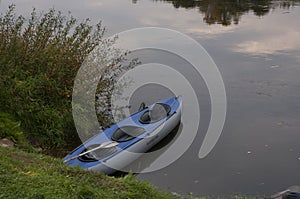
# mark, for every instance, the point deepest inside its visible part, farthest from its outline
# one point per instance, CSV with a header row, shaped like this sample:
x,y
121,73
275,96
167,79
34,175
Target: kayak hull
x,y
132,153
128,151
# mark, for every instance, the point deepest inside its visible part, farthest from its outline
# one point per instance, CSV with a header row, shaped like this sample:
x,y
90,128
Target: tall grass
x,y
39,59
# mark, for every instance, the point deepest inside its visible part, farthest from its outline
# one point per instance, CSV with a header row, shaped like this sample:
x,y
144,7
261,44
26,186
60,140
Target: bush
x,y
39,59
9,128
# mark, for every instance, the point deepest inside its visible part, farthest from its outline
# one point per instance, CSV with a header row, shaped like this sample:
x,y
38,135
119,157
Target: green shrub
x,y
9,128
39,59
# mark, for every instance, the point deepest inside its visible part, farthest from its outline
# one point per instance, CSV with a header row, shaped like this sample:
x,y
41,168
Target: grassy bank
x,y
29,175
32,175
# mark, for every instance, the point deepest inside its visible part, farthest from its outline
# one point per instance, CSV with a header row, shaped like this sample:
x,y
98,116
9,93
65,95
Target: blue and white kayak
x,y
125,141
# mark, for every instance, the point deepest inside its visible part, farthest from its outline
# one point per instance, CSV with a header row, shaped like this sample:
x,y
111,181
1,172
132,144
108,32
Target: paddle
x,y
103,145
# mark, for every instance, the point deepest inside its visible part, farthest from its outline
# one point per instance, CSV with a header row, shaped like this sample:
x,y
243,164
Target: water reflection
x,y
230,11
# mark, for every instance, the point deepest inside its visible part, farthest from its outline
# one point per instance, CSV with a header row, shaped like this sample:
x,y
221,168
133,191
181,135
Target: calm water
x,y
257,49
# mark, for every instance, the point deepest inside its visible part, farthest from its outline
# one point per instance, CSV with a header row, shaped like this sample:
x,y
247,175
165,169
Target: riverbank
x,y
31,175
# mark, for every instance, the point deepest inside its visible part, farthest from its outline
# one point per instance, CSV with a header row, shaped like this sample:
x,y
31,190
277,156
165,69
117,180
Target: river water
x,y
256,47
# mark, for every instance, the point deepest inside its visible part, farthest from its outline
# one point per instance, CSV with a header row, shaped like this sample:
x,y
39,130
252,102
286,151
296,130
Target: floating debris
x,y
284,124
268,59
264,94
280,123
275,66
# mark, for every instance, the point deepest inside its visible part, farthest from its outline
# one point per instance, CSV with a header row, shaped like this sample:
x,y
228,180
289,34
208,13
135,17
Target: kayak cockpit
x,y
126,133
157,113
97,154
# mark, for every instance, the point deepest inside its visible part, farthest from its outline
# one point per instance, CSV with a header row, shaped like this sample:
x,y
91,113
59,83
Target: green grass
x,y
32,175
29,175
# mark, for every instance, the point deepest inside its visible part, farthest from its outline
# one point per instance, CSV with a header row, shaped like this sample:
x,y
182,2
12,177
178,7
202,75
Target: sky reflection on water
x,y
268,33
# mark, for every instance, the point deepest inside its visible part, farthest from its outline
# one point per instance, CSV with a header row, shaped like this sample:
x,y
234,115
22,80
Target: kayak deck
x,y
126,133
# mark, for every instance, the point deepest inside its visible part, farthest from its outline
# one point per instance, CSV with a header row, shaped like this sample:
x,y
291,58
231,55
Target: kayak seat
x,y
157,113
125,133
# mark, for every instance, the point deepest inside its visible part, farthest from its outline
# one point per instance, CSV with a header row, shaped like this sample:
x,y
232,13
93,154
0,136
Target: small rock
x,y
249,152
38,149
299,158
6,143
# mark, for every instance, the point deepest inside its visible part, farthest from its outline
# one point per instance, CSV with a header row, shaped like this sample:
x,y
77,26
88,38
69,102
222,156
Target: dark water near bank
x,y
256,45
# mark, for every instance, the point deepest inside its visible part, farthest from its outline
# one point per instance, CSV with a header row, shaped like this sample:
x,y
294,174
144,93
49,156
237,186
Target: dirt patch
x,y
23,158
